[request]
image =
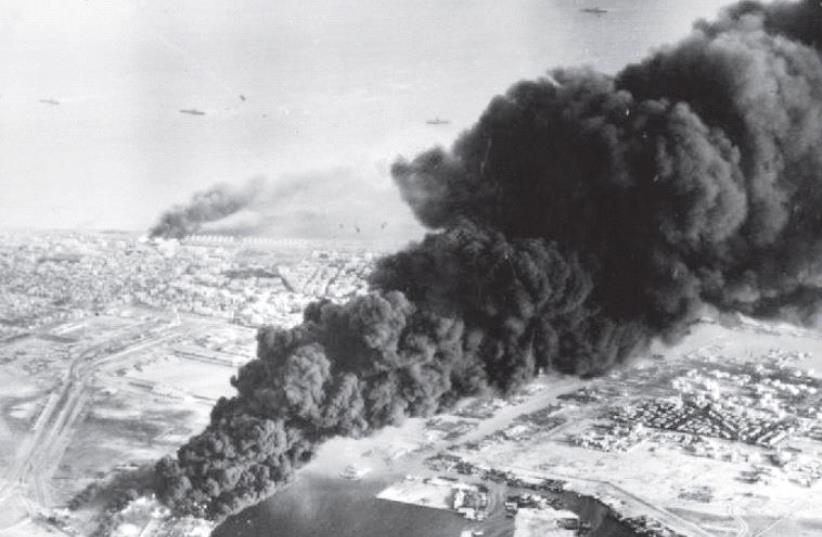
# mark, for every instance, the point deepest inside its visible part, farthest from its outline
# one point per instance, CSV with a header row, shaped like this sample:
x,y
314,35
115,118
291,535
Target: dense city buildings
x,y
54,277
113,348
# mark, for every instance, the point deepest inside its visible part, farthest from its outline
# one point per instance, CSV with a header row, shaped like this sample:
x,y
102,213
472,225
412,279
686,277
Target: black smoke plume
x,y
214,204
581,217
309,204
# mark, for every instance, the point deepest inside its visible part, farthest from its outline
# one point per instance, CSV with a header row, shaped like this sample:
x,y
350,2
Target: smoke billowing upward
x,y
583,216
218,202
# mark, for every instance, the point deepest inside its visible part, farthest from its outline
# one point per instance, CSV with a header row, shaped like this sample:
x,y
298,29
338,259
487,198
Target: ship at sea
x,y
353,472
438,121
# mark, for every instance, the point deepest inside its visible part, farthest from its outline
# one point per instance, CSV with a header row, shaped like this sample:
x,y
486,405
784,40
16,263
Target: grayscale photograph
x,y
411,268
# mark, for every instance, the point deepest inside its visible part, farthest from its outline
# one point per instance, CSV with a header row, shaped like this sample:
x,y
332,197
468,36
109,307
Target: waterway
x,y
323,506
319,505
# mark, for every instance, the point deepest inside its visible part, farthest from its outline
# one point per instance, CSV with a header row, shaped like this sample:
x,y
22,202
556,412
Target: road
x,y
40,453
743,529
507,416
798,507
675,522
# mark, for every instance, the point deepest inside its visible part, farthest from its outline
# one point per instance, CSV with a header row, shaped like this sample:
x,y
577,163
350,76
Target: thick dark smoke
x,y
218,202
583,216
316,203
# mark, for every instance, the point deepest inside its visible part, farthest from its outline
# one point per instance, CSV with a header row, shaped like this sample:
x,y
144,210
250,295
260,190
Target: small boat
x,y
438,121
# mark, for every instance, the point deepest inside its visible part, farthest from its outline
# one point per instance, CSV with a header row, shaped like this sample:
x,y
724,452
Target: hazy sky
x,y
334,90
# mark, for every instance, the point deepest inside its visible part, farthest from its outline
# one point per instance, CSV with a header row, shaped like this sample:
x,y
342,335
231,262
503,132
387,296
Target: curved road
x,y
39,454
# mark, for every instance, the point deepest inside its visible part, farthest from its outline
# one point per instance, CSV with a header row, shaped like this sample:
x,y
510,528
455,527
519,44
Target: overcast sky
x,y
91,133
